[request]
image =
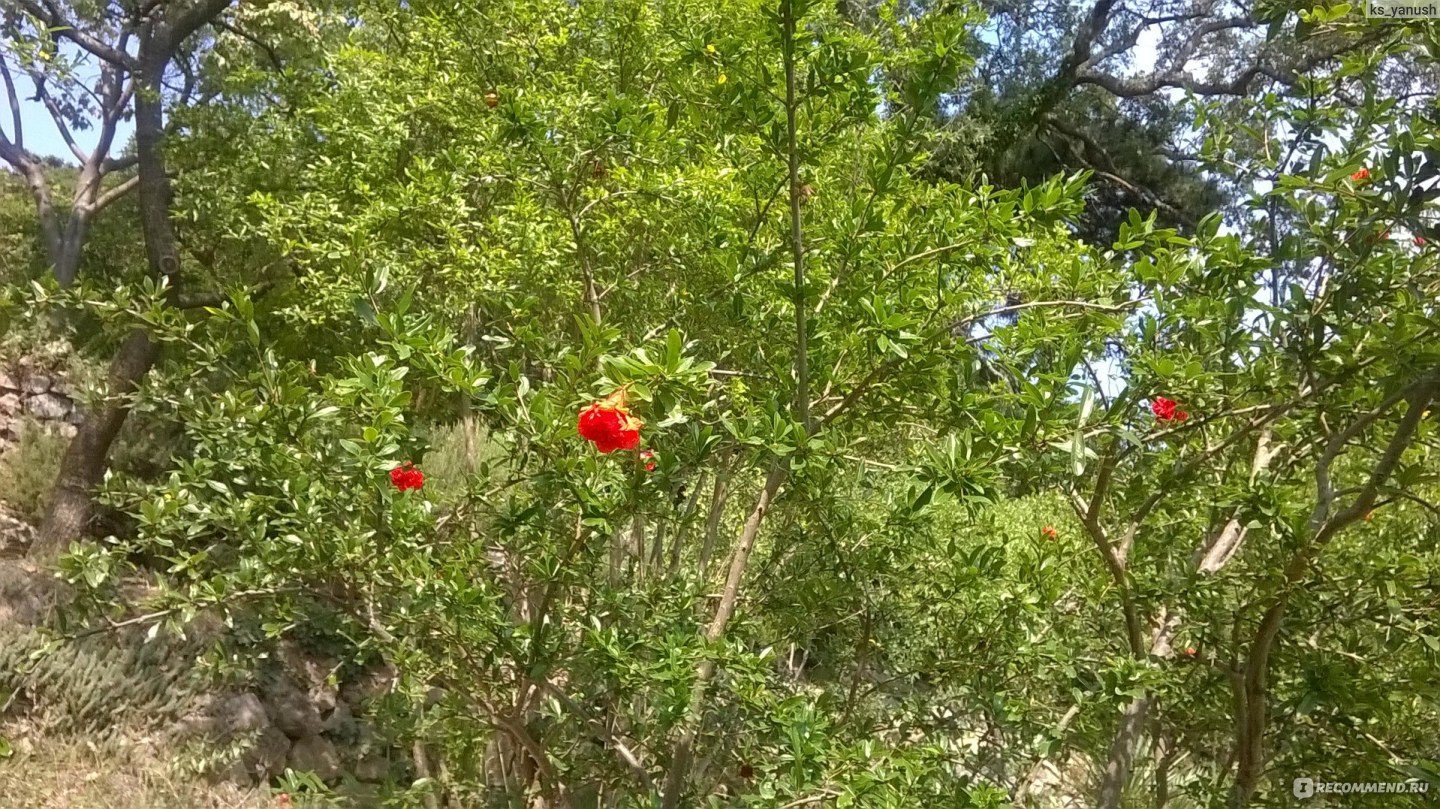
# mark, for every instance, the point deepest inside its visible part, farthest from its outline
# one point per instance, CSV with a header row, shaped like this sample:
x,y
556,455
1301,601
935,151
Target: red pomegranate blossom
x,y
1165,410
609,425
649,458
1049,532
1419,241
406,477
283,799
1190,650
1362,174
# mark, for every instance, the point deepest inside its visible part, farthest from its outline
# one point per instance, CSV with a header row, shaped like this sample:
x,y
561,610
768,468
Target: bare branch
x,y
1175,76
1324,493
104,200
118,163
19,128
58,117
1108,170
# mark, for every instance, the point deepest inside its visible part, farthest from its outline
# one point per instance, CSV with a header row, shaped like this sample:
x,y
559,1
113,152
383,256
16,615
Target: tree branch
x,y
253,40
19,128
188,22
59,118
797,245
104,200
55,19
1251,716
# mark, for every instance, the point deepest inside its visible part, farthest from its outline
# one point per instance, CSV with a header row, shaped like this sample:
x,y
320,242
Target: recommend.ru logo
x,y
1304,787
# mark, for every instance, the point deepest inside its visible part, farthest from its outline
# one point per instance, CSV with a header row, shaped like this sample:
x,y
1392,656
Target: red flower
x,y
1419,241
1190,650
1362,174
609,425
649,458
1049,532
1164,410
405,477
283,799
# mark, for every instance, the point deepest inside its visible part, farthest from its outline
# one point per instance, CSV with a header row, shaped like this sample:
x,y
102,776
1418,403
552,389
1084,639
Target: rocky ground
x,y
295,714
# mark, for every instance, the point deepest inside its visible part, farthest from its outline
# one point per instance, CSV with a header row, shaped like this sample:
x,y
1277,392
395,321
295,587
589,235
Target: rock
x,y
67,430
324,697
243,713
48,406
10,403
264,759
308,669
225,721
289,708
76,416
15,533
37,383
7,382
340,724
371,684
315,754
29,595
374,768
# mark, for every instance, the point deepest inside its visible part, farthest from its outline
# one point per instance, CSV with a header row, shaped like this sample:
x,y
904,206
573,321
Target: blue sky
x,y
41,135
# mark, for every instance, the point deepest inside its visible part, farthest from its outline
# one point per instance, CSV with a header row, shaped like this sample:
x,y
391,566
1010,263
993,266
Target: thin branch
x,y
14,100
59,118
960,325
104,200
253,40
1253,696
55,19
599,729
797,245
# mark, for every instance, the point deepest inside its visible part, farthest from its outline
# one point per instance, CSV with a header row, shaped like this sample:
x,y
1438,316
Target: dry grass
x,y
70,774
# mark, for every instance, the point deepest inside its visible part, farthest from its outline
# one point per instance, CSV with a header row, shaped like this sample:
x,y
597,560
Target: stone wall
x,y
41,395
295,712
298,716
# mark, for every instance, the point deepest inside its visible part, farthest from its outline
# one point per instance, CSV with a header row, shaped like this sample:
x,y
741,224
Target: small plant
x,y
27,469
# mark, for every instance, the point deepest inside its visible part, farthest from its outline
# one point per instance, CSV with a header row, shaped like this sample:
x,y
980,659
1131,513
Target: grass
x,y
71,774
28,469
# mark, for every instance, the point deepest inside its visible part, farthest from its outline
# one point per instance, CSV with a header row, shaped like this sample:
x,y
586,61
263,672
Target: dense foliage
x,y
946,487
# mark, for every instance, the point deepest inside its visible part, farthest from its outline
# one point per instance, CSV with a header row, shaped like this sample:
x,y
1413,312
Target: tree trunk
x,y
72,504
1122,753
679,767
712,521
467,427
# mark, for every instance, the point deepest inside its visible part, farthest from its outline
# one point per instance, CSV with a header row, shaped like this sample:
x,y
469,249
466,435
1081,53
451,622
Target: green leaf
x,y
1087,404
